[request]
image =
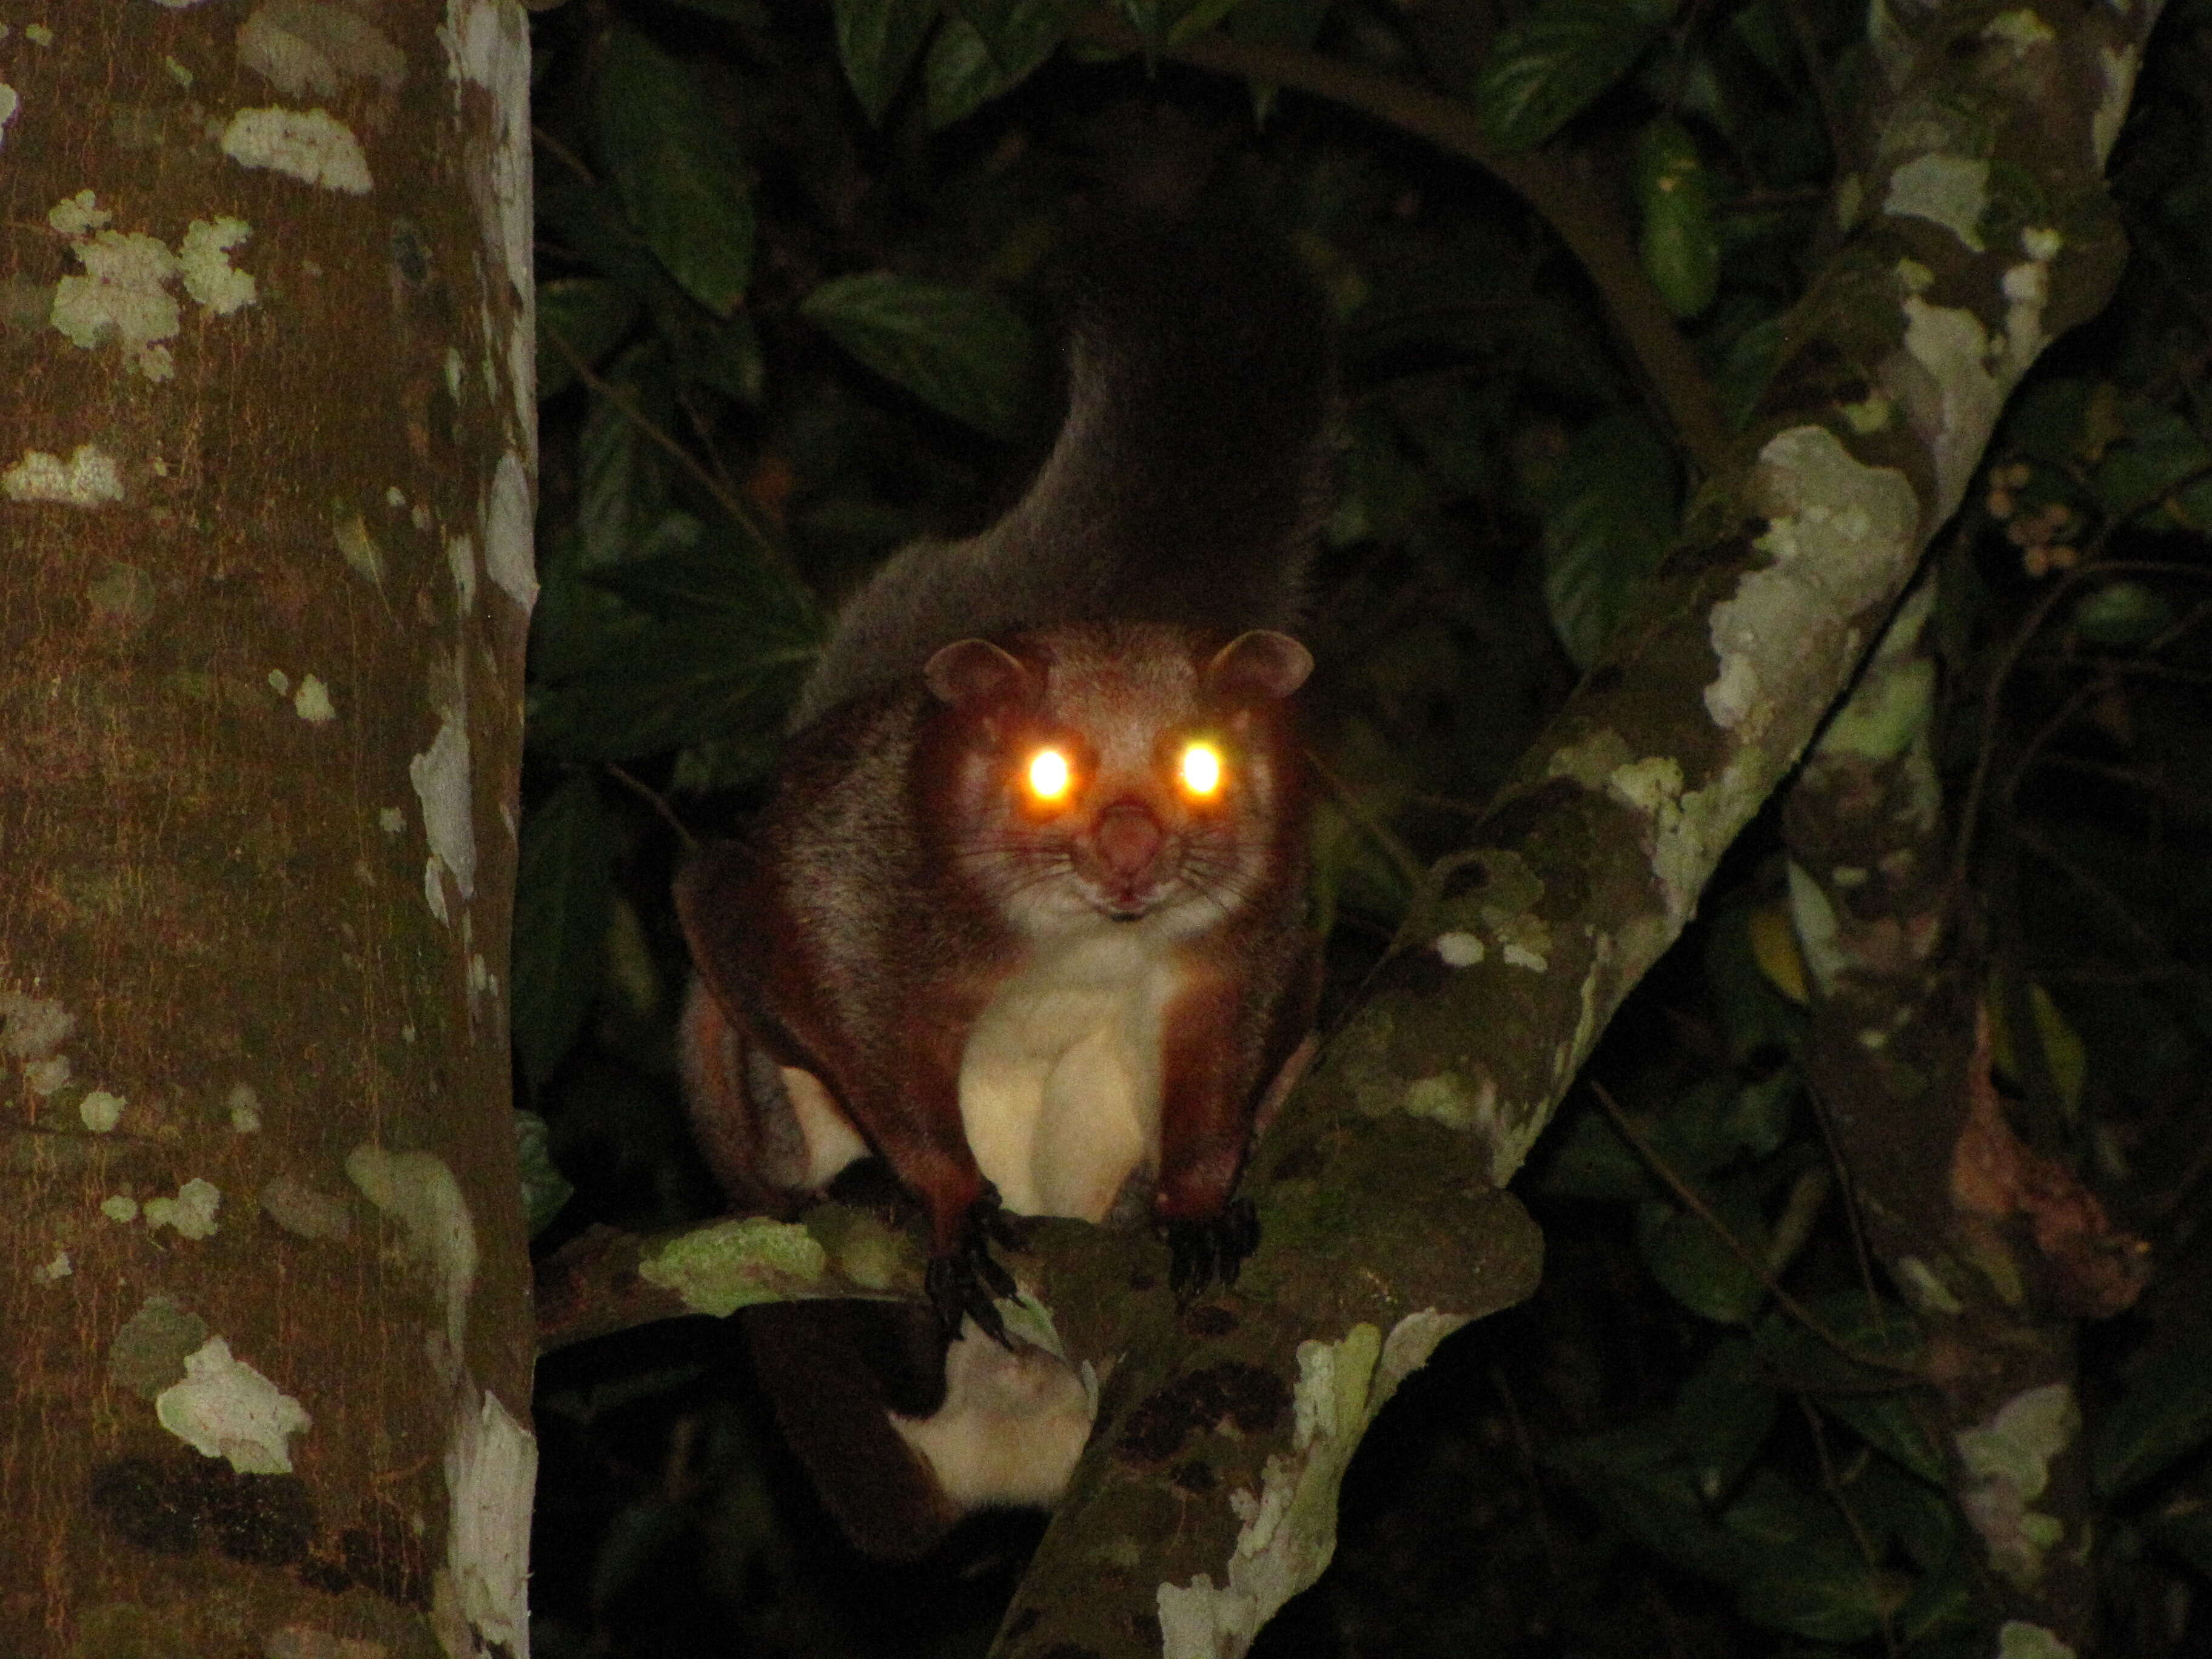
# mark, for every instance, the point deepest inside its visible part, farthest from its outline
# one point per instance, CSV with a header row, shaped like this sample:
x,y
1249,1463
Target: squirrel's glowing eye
x,y
1200,769
1050,777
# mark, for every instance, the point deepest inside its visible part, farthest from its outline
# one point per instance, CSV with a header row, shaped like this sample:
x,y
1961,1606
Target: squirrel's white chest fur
x,y
1060,1084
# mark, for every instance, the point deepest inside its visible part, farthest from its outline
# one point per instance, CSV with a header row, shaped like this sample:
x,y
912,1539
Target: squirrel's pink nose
x,y
1128,840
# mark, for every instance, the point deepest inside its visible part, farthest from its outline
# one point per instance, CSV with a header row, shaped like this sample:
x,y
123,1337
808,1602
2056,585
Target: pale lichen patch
x,y
244,1107
56,1267
203,261
2018,1639
312,702
393,820
1459,948
89,478
1950,191
441,778
1288,1529
120,1209
306,49
2021,30
122,295
734,1264
1447,1099
311,145
1838,534
2116,66
99,1111
491,1471
299,1208
191,1212
225,1408
358,548
418,1192
509,559
10,101
2008,1460
1942,379
32,1028
461,559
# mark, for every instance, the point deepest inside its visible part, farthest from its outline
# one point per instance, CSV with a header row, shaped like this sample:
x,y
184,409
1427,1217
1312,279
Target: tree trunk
x,y
266,441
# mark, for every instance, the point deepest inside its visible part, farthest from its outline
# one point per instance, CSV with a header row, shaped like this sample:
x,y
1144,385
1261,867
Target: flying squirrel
x,y
1024,915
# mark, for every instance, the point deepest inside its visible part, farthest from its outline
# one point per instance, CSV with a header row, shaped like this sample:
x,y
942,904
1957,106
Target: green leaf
x,y
666,685
1756,1016
709,575
877,41
1608,516
1722,1418
678,170
1744,368
623,482
1882,1343
1294,24
563,896
1681,244
590,222
1552,64
1826,1595
714,636
1592,1161
966,69
722,352
588,315
544,1188
2165,1412
1633,1476
2161,453
1696,1265
2122,614
964,352
1889,1423
1200,17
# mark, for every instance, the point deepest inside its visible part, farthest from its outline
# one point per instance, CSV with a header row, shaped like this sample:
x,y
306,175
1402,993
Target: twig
x,y
740,511
1402,859
1993,698
1868,1551
658,802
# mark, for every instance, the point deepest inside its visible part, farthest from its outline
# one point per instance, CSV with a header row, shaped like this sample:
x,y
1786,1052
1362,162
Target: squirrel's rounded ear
x,y
969,671
1259,666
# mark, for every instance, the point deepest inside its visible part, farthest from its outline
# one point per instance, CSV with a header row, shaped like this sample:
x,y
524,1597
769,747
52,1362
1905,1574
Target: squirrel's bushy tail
x,y
1189,480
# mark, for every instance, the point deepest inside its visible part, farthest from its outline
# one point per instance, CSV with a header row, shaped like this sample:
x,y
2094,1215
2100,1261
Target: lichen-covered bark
x,y
1941,290
1999,1248
265,441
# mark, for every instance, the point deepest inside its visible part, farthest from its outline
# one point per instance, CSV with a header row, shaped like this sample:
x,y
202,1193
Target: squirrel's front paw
x,y
967,1280
1212,1249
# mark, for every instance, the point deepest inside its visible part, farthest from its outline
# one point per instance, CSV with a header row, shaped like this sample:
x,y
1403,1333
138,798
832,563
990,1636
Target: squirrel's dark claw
x,y
967,1282
1212,1250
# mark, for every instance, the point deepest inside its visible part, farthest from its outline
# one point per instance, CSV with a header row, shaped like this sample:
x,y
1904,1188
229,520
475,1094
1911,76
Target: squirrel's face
x,y
1132,773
